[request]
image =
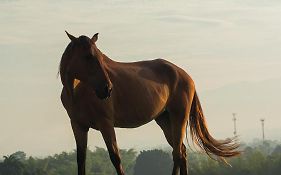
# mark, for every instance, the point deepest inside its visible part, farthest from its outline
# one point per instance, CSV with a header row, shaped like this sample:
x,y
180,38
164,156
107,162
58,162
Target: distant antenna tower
x,y
234,122
262,127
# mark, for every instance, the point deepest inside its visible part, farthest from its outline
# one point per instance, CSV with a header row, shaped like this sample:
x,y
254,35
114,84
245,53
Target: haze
x,y
230,48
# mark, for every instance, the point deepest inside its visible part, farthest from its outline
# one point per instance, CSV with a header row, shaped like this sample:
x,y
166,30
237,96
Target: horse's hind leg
x,y
179,151
164,122
179,109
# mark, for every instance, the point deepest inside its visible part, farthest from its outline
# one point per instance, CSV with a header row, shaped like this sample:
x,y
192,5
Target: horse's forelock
x,y
83,41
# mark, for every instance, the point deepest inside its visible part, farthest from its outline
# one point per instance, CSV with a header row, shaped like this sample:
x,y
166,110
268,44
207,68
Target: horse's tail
x,y
201,136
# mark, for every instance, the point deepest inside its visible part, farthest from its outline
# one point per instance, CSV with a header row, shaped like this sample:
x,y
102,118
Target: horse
x,y
101,94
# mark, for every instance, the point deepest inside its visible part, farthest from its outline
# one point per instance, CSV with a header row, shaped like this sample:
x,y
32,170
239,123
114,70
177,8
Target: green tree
x,y
257,159
153,162
11,166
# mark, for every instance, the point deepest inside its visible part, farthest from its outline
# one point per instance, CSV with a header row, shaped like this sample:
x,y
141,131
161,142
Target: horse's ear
x,y
95,37
71,37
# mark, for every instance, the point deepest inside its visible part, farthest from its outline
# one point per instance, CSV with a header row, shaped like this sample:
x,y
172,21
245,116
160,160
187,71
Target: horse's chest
x,y
91,112
82,117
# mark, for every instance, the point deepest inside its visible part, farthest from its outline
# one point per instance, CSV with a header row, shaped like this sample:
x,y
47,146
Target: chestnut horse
x,y
101,93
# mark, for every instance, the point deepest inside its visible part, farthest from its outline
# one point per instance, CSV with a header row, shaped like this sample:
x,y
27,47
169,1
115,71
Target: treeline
x,y
259,158
97,163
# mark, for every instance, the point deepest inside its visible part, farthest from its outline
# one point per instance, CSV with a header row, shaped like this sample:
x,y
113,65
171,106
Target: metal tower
x,y
262,126
234,122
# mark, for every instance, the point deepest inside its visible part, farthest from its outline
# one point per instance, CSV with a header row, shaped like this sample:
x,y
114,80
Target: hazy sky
x,y
231,48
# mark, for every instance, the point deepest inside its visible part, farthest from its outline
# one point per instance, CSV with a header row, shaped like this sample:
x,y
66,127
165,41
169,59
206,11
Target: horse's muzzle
x,y
104,93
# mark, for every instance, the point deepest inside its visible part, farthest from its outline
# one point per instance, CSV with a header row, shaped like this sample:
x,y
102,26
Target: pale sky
x,y
231,48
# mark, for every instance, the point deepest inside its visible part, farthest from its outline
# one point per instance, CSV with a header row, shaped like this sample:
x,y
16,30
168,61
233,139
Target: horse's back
x,y
169,73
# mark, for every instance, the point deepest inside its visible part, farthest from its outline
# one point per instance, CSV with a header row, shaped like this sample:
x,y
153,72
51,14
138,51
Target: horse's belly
x,y
142,108
136,120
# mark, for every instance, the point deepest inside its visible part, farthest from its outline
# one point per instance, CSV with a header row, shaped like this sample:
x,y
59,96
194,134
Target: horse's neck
x,y
108,61
112,67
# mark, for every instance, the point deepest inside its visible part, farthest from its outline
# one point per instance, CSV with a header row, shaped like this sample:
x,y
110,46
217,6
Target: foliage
x,y
258,158
98,163
153,162
261,158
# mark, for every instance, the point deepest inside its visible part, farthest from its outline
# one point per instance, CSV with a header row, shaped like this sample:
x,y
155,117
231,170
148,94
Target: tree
x,y
153,162
11,165
277,150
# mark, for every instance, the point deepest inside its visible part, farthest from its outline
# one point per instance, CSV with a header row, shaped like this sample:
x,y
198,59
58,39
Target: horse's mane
x,y
65,58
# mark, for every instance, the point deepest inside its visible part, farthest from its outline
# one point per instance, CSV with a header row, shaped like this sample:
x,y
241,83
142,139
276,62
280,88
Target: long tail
x,y
201,136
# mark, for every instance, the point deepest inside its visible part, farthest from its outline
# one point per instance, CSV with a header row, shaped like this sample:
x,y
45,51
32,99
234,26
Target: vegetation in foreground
x,y
258,158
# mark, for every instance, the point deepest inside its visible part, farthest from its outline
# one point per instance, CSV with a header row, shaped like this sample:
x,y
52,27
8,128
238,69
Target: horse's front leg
x,y
108,133
81,137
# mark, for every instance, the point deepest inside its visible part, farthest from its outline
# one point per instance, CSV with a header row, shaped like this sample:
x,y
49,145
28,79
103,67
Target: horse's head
x,y
83,60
